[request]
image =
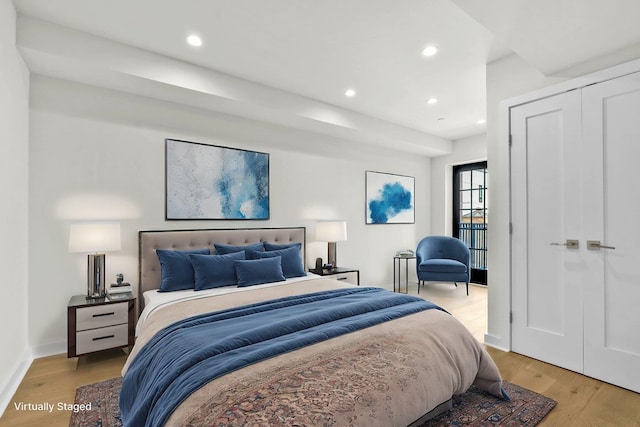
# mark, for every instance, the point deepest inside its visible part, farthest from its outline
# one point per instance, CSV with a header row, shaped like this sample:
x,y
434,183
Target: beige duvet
x,y
387,375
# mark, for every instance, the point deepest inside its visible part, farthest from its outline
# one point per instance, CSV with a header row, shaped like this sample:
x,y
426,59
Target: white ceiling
x,y
304,54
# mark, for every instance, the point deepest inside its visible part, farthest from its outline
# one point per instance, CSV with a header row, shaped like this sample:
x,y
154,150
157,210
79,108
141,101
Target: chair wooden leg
x,y
455,283
467,288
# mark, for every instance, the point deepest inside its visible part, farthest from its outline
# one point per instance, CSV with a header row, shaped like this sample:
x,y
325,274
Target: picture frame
x,y
389,198
212,182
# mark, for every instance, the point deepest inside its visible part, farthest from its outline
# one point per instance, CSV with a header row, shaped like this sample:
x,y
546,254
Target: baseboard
x,y
49,349
12,384
495,342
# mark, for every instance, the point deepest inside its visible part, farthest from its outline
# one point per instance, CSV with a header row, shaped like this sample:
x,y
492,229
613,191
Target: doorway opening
x,y
471,215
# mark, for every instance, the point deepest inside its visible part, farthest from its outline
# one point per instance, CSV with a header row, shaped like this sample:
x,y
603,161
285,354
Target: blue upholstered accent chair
x,y
442,259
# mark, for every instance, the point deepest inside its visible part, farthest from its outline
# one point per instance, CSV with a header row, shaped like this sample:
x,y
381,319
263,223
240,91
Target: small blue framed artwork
x,y
389,198
212,182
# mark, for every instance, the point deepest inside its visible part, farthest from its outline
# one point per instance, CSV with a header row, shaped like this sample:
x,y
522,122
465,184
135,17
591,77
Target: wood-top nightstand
x,y
99,324
349,275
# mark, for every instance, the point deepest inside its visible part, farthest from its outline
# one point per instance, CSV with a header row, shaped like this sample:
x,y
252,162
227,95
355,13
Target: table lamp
x,y
95,238
331,232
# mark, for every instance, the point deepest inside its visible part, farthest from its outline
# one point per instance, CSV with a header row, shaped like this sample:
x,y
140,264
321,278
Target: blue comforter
x,y
190,353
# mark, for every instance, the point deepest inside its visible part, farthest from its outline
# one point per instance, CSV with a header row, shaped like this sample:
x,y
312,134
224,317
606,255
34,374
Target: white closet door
x,y
547,297
611,137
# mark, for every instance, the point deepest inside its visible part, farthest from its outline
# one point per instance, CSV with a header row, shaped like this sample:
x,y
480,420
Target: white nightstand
x,y
99,324
349,275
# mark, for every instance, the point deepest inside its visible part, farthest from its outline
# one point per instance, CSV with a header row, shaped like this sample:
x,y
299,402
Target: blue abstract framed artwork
x,y
390,198
212,182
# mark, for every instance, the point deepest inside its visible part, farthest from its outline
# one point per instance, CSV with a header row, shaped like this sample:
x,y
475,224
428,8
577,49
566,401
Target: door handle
x,y
595,245
570,244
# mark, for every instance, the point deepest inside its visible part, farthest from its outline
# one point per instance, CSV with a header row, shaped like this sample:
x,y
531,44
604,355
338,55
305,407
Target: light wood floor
x,y
54,379
581,401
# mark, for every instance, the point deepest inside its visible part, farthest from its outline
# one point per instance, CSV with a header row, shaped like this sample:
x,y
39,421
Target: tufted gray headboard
x,y
149,241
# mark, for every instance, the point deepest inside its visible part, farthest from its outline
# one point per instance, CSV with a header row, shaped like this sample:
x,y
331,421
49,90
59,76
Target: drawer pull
x,y
342,278
104,314
104,338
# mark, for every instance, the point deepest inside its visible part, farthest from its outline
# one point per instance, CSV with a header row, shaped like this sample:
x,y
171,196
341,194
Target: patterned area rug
x,y
477,408
103,397
473,408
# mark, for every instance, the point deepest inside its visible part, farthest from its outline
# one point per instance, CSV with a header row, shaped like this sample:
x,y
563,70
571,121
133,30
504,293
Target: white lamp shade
x,y
94,237
331,231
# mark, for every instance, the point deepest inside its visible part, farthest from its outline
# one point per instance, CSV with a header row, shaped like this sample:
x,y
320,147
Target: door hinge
x,y
510,228
511,317
510,140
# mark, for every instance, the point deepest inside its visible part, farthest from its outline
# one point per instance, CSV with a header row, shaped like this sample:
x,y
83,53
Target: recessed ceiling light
x,y
432,101
194,40
429,51
350,93
481,121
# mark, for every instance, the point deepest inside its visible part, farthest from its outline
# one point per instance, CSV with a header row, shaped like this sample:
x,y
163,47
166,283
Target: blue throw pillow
x,y
275,246
258,271
229,249
215,271
176,271
291,260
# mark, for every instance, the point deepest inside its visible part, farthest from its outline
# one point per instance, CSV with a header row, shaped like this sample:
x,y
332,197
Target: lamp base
x,y
95,276
331,254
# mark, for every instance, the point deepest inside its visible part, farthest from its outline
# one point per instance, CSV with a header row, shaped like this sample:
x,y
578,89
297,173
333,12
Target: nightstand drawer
x,y
351,277
101,315
343,274
101,338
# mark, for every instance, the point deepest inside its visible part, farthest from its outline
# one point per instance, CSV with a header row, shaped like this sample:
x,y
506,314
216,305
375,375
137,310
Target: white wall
x,y
14,143
506,78
99,154
467,150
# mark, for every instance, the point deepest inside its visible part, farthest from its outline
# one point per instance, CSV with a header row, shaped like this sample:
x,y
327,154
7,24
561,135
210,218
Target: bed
x,y
305,351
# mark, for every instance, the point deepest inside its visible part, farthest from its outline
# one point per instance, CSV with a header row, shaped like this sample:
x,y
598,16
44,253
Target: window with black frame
x,y
471,215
